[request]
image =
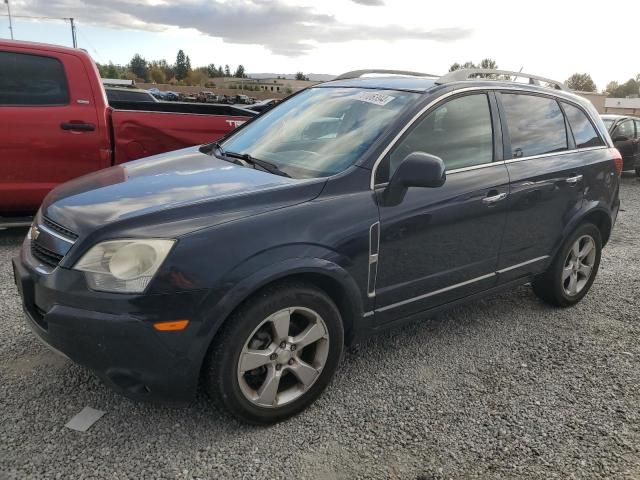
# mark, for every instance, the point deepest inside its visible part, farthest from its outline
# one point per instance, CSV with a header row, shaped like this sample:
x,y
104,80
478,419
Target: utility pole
x,y
73,32
9,12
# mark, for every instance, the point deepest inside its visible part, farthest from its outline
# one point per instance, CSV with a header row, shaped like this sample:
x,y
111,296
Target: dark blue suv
x,y
351,207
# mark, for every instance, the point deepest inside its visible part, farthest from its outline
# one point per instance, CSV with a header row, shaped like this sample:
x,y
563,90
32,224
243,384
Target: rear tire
x,y
573,270
276,354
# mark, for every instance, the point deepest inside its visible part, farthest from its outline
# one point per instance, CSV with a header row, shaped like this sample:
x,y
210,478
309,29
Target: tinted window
x,y
624,129
637,128
536,125
583,132
32,80
459,132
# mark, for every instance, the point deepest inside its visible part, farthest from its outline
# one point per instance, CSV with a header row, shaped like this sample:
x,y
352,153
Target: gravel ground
x,y
502,388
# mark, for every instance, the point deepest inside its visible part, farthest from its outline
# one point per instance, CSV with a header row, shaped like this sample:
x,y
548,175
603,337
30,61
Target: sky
x,y
553,38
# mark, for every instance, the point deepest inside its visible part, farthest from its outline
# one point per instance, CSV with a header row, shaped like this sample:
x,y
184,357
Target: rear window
x,y
124,96
32,80
536,125
583,132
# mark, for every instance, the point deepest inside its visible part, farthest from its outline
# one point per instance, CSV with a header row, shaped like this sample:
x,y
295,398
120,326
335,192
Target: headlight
x,y
124,266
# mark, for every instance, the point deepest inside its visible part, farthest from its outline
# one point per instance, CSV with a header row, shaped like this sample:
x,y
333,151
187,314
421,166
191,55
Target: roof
x,y
394,82
613,116
622,103
42,46
427,84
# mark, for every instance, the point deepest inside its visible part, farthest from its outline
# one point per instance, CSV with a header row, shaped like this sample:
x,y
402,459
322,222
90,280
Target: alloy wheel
x,y
578,265
283,357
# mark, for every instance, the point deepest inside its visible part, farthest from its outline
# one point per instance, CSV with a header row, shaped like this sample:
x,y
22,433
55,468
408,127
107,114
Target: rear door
x,y
442,244
547,169
48,122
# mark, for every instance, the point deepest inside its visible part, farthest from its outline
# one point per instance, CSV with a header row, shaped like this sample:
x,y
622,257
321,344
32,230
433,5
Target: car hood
x,y
170,194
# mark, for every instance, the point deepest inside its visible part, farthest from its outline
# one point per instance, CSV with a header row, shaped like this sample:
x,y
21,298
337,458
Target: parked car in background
x,y
263,105
167,96
115,94
207,97
242,99
625,133
187,97
56,123
249,264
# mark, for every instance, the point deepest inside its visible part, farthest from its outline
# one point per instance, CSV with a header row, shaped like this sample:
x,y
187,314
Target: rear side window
x,y
536,125
459,131
637,128
32,80
583,132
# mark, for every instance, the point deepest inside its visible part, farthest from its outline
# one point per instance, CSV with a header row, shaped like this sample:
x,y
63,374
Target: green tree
x,y
300,76
138,66
167,69
182,67
227,72
489,63
239,73
157,74
581,82
212,71
199,76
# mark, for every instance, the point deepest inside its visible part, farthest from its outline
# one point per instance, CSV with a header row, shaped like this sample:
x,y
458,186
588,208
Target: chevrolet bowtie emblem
x,y
35,233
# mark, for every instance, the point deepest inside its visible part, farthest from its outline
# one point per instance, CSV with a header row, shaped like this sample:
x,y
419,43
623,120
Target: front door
x,y
49,127
442,244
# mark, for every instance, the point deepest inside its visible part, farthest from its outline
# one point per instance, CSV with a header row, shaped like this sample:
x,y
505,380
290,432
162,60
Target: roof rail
x,y
465,74
359,73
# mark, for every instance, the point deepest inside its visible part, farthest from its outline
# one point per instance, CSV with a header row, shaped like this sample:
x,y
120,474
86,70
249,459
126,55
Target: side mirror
x,y
418,169
621,138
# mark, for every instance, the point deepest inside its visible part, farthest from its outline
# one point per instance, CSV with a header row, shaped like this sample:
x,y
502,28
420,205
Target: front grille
x,y
45,255
59,228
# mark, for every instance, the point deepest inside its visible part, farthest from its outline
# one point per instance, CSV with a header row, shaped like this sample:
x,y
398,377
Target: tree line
x,y
160,71
180,72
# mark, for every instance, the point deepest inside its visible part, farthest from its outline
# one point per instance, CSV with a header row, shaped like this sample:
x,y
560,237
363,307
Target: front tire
x,y
574,269
276,354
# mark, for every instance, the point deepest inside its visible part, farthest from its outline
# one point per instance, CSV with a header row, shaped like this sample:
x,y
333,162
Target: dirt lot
x,y
502,388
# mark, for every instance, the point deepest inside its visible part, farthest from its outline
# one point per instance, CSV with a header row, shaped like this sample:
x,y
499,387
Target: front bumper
x,y
113,334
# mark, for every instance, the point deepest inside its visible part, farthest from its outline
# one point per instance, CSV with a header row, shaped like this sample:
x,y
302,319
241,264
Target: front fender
x,y
238,286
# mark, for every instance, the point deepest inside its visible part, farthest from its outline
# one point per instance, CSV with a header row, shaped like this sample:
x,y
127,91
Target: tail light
x,y
617,159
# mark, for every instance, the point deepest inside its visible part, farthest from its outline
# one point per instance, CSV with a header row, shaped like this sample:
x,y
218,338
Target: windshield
x,y
320,131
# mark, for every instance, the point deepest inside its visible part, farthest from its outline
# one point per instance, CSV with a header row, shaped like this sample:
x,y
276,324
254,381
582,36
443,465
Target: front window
x,y
320,131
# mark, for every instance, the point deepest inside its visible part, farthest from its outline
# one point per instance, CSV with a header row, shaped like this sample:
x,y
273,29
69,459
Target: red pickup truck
x,y
56,124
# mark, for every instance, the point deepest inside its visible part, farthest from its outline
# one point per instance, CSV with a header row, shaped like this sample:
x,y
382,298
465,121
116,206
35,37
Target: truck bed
x,y
144,129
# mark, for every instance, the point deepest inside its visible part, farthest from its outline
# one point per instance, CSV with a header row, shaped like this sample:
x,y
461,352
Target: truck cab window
x,y
32,80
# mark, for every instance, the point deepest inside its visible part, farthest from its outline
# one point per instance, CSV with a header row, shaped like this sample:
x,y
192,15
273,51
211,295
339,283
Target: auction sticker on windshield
x,y
374,97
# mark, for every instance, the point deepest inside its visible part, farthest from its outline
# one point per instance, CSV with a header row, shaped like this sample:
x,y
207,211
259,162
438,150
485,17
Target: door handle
x,y
78,127
573,180
494,199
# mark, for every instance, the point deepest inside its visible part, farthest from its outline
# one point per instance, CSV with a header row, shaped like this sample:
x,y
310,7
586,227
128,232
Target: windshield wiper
x,y
267,166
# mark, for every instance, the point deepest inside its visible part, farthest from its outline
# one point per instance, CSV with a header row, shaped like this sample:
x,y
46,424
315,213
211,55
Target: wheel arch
x,y
327,276
597,214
